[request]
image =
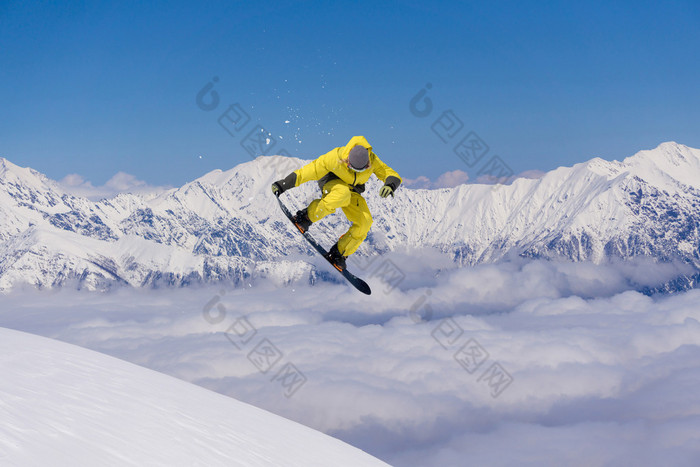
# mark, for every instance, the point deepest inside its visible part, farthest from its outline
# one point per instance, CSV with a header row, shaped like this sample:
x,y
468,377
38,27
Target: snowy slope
x,y
63,405
226,226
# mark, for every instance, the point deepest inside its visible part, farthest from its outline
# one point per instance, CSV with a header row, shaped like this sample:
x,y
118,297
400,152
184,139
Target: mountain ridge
x,y
224,225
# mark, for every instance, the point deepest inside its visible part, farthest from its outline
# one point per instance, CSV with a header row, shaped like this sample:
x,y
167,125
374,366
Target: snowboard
x,y
358,283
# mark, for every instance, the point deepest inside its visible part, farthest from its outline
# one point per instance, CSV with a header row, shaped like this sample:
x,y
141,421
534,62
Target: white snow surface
x,y
62,405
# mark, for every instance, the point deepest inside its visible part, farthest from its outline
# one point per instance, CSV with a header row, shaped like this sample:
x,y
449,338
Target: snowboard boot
x,y
302,221
336,258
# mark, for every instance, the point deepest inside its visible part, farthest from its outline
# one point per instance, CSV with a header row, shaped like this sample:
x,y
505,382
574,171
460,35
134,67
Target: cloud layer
x,y
459,177
121,182
523,363
446,180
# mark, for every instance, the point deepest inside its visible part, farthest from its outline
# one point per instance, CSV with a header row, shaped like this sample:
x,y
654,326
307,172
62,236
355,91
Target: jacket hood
x,y
354,141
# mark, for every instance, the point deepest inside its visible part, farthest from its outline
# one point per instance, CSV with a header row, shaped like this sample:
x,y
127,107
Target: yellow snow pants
x,y
337,194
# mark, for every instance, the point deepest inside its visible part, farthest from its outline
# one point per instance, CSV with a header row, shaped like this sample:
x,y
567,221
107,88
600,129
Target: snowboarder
x,y
341,174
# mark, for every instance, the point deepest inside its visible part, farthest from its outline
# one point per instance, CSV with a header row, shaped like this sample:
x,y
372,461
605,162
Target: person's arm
x,y
314,170
388,175
317,169
280,186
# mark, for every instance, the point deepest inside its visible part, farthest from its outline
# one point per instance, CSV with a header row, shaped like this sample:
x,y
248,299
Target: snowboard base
x,y
358,283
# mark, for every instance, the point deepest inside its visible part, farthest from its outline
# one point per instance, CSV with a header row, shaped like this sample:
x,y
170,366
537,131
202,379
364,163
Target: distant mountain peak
x,y
669,165
669,151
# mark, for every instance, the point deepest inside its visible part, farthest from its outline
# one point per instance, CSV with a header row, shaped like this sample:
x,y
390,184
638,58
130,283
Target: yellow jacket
x,y
333,162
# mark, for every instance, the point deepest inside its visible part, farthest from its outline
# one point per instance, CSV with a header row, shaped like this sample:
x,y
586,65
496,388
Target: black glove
x,y
386,190
390,186
280,186
277,189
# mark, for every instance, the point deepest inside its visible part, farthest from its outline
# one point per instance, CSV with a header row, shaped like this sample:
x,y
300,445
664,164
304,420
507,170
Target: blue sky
x,y
96,87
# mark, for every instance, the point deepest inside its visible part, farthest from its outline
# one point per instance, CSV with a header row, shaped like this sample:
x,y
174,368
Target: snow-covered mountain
x,y
226,225
63,405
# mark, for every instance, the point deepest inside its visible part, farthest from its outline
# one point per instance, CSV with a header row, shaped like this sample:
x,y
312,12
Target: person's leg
x,y
336,194
358,213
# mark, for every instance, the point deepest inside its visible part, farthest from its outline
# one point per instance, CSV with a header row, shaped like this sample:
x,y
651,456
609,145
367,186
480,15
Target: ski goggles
x,y
354,169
